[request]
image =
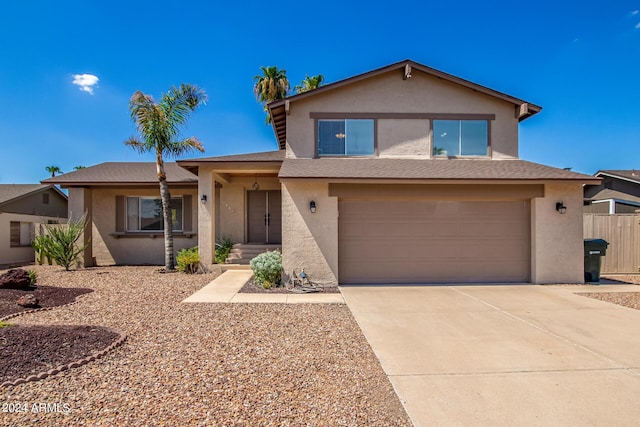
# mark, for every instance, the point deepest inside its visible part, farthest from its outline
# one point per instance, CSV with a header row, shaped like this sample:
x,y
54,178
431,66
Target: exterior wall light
x,y
560,207
203,199
312,206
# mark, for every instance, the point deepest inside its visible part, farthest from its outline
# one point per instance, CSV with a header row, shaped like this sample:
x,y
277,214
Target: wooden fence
x,y
622,231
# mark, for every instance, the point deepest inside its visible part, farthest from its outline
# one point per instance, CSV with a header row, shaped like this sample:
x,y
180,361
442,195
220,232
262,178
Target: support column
x,y
80,203
206,216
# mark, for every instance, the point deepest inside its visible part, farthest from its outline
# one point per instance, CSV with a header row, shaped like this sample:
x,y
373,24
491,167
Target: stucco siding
x,y
109,249
403,138
33,205
310,240
557,251
389,93
19,254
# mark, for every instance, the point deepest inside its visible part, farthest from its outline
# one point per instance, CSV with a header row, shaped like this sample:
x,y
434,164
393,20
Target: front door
x,y
265,216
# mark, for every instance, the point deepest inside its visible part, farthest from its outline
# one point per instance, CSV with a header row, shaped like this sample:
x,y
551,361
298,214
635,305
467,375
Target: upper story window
x,y
45,198
346,137
460,138
145,214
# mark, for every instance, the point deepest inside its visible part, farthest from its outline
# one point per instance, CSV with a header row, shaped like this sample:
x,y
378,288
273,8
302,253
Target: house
x,y
22,208
122,201
619,192
404,174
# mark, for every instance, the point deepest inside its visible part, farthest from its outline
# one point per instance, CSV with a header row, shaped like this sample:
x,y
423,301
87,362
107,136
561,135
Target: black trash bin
x,y
594,250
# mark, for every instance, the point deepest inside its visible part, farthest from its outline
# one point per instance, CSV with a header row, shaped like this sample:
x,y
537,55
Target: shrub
x,y
33,277
188,260
40,244
267,269
223,248
62,242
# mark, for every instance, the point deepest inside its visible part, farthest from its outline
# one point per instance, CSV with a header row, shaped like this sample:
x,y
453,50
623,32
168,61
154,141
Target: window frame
x,y
460,120
17,243
140,230
343,117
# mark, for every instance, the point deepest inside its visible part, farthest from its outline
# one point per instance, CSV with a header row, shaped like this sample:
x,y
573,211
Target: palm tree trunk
x,y
165,196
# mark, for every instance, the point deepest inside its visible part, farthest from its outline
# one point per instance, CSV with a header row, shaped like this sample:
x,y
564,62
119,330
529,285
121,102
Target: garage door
x,y
424,241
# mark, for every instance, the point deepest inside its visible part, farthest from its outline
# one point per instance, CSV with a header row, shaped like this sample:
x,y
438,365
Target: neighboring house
x,y
23,207
404,174
619,192
122,201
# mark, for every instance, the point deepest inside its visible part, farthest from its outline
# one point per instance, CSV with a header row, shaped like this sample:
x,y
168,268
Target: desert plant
x,y
188,260
267,269
40,244
63,241
33,277
223,248
4,324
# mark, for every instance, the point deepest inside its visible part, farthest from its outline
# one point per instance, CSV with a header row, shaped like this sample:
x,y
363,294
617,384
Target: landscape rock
x,y
28,301
17,278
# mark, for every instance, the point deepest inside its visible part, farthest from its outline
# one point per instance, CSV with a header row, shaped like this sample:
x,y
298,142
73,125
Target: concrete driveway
x,y
505,355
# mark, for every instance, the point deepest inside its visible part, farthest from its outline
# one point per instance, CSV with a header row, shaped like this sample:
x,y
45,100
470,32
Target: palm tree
x,y
271,86
310,83
53,170
158,124
77,168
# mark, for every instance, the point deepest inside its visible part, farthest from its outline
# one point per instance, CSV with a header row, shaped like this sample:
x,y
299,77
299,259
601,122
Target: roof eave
x,y
612,175
396,180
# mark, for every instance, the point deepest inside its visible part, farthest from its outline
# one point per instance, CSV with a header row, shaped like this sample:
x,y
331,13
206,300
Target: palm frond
x,y
137,145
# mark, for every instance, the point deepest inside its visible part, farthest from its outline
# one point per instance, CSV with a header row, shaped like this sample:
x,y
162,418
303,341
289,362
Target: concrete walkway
x,y
226,286
505,355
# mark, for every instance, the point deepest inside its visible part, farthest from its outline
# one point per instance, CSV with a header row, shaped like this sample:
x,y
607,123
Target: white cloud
x,y
638,25
635,12
86,82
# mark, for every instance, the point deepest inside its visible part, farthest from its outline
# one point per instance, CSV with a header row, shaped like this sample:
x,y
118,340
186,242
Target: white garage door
x,y
391,241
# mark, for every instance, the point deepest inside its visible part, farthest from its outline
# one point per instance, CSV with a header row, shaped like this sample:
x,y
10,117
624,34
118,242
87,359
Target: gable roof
x,y
427,169
278,108
11,192
625,174
123,173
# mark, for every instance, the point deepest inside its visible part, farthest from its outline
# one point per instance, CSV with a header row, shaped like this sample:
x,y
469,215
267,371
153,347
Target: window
x,y
460,138
145,214
45,198
20,233
348,137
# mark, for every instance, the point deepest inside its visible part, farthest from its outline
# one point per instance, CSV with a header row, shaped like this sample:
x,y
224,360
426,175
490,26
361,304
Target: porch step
x,y
242,254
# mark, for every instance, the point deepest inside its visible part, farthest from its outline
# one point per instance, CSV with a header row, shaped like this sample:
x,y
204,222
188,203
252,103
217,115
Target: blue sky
x,y
579,60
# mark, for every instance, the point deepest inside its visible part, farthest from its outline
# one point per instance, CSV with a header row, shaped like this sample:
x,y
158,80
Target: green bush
x,y
33,277
223,248
267,269
62,243
40,244
188,260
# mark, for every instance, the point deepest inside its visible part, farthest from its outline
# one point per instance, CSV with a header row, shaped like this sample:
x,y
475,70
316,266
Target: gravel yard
x,y
204,364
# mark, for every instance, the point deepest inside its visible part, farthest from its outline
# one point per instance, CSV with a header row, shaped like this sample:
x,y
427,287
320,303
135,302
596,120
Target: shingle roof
x,y
632,175
608,193
266,156
123,173
13,191
431,169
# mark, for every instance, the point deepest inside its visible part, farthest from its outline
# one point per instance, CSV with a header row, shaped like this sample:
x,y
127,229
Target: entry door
x,y
265,216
